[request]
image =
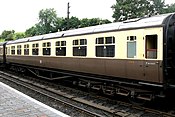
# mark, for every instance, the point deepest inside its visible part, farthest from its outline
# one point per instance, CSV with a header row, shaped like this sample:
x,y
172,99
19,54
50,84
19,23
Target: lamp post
x,y
68,6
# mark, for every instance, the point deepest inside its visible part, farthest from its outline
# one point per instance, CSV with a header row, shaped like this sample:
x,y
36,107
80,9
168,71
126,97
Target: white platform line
x,y
35,101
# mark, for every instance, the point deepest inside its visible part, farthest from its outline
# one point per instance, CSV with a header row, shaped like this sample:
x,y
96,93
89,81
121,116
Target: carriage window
x,y
105,46
18,49
109,40
26,49
151,47
83,41
79,47
13,50
1,50
35,49
131,38
131,46
46,48
8,50
60,48
100,40
75,42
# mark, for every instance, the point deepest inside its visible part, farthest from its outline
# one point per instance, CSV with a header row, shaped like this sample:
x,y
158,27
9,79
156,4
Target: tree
x,y
105,21
92,22
169,8
158,6
31,31
19,35
74,22
47,20
8,35
128,9
60,24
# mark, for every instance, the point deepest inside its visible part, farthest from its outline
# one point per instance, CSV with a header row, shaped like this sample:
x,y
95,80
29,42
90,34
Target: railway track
x,y
83,104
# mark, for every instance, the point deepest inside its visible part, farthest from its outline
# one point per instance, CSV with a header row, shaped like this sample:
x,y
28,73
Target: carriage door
x,y
151,64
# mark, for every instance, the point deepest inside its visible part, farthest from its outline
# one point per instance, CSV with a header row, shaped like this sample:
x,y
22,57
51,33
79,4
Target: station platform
x,y
16,104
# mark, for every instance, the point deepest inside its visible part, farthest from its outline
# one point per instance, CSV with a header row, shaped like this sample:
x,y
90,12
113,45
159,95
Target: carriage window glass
x,y
1,50
60,48
44,44
57,43
35,49
18,49
109,40
151,47
46,48
12,50
8,50
131,38
100,40
105,46
80,47
63,43
75,42
26,49
83,41
48,44
131,46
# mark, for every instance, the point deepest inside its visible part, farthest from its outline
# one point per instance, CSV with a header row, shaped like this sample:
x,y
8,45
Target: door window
x,y
151,47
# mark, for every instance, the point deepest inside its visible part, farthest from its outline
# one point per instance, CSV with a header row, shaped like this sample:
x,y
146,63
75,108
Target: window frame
x,y
149,50
12,48
60,48
35,49
46,46
79,48
26,49
19,47
103,47
132,40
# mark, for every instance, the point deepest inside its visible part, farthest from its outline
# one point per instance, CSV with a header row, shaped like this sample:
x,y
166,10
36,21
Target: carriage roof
x,y
128,24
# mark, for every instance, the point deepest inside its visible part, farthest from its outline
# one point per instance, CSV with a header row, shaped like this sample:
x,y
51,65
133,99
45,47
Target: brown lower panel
x,y
143,70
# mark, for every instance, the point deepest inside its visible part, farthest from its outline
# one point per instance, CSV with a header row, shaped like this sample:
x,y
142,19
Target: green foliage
x,y
128,9
31,31
92,22
74,23
2,40
60,24
158,6
85,22
47,20
8,35
169,8
19,35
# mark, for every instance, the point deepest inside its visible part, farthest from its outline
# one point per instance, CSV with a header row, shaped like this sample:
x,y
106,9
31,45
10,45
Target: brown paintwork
x,y
142,70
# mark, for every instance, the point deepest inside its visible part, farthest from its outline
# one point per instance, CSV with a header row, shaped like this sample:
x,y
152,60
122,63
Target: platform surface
x,y
16,104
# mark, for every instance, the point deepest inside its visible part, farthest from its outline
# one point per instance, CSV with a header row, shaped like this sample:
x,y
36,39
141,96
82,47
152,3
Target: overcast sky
x,y
20,15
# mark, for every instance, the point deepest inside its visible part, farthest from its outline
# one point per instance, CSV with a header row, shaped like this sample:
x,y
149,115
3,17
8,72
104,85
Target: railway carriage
x,y
2,53
133,58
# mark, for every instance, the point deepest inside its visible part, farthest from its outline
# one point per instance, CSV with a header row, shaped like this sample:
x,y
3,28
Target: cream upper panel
x,y
120,43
